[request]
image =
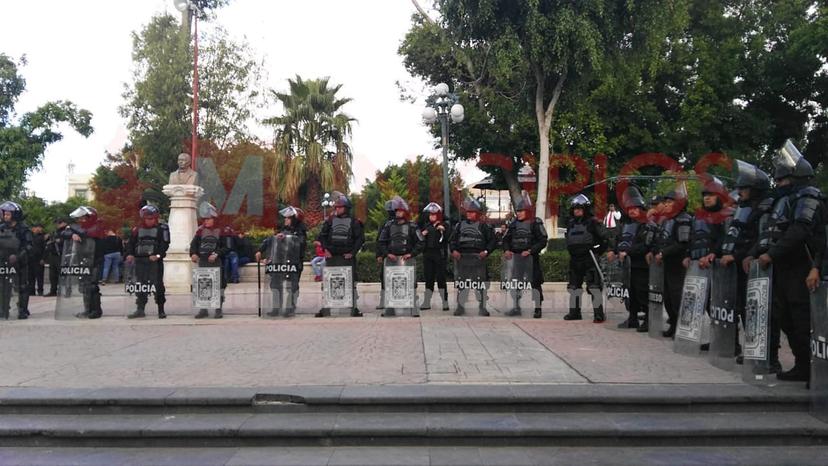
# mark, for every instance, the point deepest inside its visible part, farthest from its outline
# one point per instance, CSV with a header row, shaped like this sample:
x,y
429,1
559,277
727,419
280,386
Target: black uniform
x,y
143,243
54,250
205,242
300,231
585,235
89,284
434,262
380,261
340,236
472,237
35,267
673,243
795,240
528,235
20,266
634,242
398,237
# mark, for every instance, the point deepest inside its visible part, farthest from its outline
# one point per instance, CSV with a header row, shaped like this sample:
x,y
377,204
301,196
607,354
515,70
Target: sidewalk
x,y
245,351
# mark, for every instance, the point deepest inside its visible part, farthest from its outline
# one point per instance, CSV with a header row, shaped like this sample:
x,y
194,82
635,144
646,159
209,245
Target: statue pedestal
x,y
178,268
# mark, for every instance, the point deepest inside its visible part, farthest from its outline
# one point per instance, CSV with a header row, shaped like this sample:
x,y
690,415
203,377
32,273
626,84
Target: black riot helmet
x,y
580,202
790,162
525,202
398,203
472,205
713,185
750,176
633,197
341,200
14,208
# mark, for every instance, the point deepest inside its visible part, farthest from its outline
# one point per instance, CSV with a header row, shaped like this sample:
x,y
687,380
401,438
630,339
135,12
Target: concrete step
x,y
411,456
412,416
415,429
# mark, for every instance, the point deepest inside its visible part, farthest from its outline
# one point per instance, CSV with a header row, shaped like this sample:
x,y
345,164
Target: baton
x,y
601,275
259,284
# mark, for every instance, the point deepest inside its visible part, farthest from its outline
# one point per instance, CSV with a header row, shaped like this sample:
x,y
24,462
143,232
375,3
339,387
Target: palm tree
x,y
312,154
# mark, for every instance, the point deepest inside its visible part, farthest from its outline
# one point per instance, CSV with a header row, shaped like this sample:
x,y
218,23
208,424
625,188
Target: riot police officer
x,y
586,239
291,223
342,236
54,250
210,244
633,244
146,248
434,255
13,225
400,239
671,249
793,243
472,237
743,231
708,230
389,210
526,236
86,226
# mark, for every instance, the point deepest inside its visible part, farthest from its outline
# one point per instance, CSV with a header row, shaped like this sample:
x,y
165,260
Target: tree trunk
x,y
543,114
313,202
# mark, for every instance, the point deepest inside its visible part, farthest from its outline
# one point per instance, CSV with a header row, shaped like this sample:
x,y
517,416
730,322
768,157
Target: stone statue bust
x,y
184,174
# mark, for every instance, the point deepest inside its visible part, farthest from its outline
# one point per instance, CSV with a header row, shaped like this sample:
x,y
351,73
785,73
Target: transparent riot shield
x,y
470,279
819,352
400,287
723,293
655,297
78,275
206,286
338,287
692,317
143,278
756,350
9,283
279,290
617,276
516,296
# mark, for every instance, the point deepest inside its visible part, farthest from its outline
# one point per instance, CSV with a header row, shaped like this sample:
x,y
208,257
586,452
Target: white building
x,y
78,185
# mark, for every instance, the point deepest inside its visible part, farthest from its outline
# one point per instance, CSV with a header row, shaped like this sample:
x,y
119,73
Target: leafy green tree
x,y
537,50
24,140
395,185
158,103
311,142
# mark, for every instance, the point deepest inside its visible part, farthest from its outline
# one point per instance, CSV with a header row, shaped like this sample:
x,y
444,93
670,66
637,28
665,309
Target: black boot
x,y
629,323
444,296
670,332
202,313
218,314
483,312
355,312
645,325
139,313
460,310
598,315
161,313
797,374
389,313
426,300
538,313
513,312
324,312
574,314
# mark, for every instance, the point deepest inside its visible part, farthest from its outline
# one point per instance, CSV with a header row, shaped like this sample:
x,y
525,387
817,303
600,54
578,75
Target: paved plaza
x,y
243,350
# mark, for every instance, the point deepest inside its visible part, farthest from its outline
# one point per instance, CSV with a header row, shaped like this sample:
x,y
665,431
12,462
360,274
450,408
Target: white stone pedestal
x,y
183,223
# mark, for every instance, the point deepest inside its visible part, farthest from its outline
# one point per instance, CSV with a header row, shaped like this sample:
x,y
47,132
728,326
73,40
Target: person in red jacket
x,y
318,261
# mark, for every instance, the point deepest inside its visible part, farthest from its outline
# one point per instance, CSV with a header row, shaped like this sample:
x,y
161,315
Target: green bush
x,y
556,244
555,266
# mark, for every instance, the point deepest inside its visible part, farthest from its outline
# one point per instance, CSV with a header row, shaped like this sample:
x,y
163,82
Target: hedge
x,y
553,263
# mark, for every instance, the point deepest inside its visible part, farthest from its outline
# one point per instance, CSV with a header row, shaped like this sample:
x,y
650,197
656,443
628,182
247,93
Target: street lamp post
x,y
182,6
443,105
326,202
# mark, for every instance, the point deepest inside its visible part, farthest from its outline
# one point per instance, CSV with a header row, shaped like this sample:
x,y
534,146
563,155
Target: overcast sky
x,y
80,51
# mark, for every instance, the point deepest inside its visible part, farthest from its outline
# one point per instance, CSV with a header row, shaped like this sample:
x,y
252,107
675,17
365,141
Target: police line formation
x,y
758,265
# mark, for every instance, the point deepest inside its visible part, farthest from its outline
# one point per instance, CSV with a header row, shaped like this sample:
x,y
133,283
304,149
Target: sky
x,y
81,51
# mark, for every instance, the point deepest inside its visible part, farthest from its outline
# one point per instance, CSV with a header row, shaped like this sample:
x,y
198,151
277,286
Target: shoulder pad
x,y
684,217
538,220
810,191
765,204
